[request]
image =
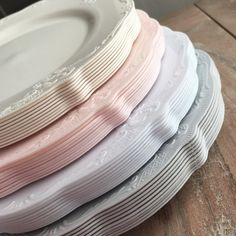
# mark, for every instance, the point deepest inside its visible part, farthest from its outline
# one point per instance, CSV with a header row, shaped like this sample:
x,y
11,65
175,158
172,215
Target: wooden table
x,y
207,203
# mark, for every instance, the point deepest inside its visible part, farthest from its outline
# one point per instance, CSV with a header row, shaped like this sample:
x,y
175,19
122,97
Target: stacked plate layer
x,y
81,129
34,95
119,155
111,155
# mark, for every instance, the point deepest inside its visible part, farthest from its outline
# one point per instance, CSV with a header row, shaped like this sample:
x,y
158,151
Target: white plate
x,y
49,35
118,156
73,37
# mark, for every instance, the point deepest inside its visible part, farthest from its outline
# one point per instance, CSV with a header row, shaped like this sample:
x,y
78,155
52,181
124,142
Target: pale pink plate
x,y
84,127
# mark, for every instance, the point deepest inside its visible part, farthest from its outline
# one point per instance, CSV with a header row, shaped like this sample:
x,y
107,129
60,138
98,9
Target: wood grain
x,y
207,203
223,11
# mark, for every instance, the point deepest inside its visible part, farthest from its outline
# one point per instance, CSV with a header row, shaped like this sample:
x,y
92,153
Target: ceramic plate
x,y
76,133
79,36
122,153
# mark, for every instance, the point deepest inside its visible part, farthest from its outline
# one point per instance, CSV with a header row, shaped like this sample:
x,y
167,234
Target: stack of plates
x,y
72,35
81,129
103,166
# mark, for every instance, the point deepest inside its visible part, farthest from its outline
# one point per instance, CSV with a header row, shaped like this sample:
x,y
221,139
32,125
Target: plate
x,y
80,130
118,156
70,65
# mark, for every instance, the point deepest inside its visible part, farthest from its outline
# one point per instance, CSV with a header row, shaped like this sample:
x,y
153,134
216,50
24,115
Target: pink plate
x,y
49,150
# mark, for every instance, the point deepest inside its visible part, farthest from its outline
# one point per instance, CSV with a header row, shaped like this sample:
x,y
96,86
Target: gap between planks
x,y
213,19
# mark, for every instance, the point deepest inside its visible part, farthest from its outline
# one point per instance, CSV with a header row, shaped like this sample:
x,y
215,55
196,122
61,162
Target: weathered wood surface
x,y
207,203
222,11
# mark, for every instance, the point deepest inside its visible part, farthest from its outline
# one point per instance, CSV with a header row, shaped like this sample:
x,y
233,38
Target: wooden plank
x,y
160,8
207,203
223,11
